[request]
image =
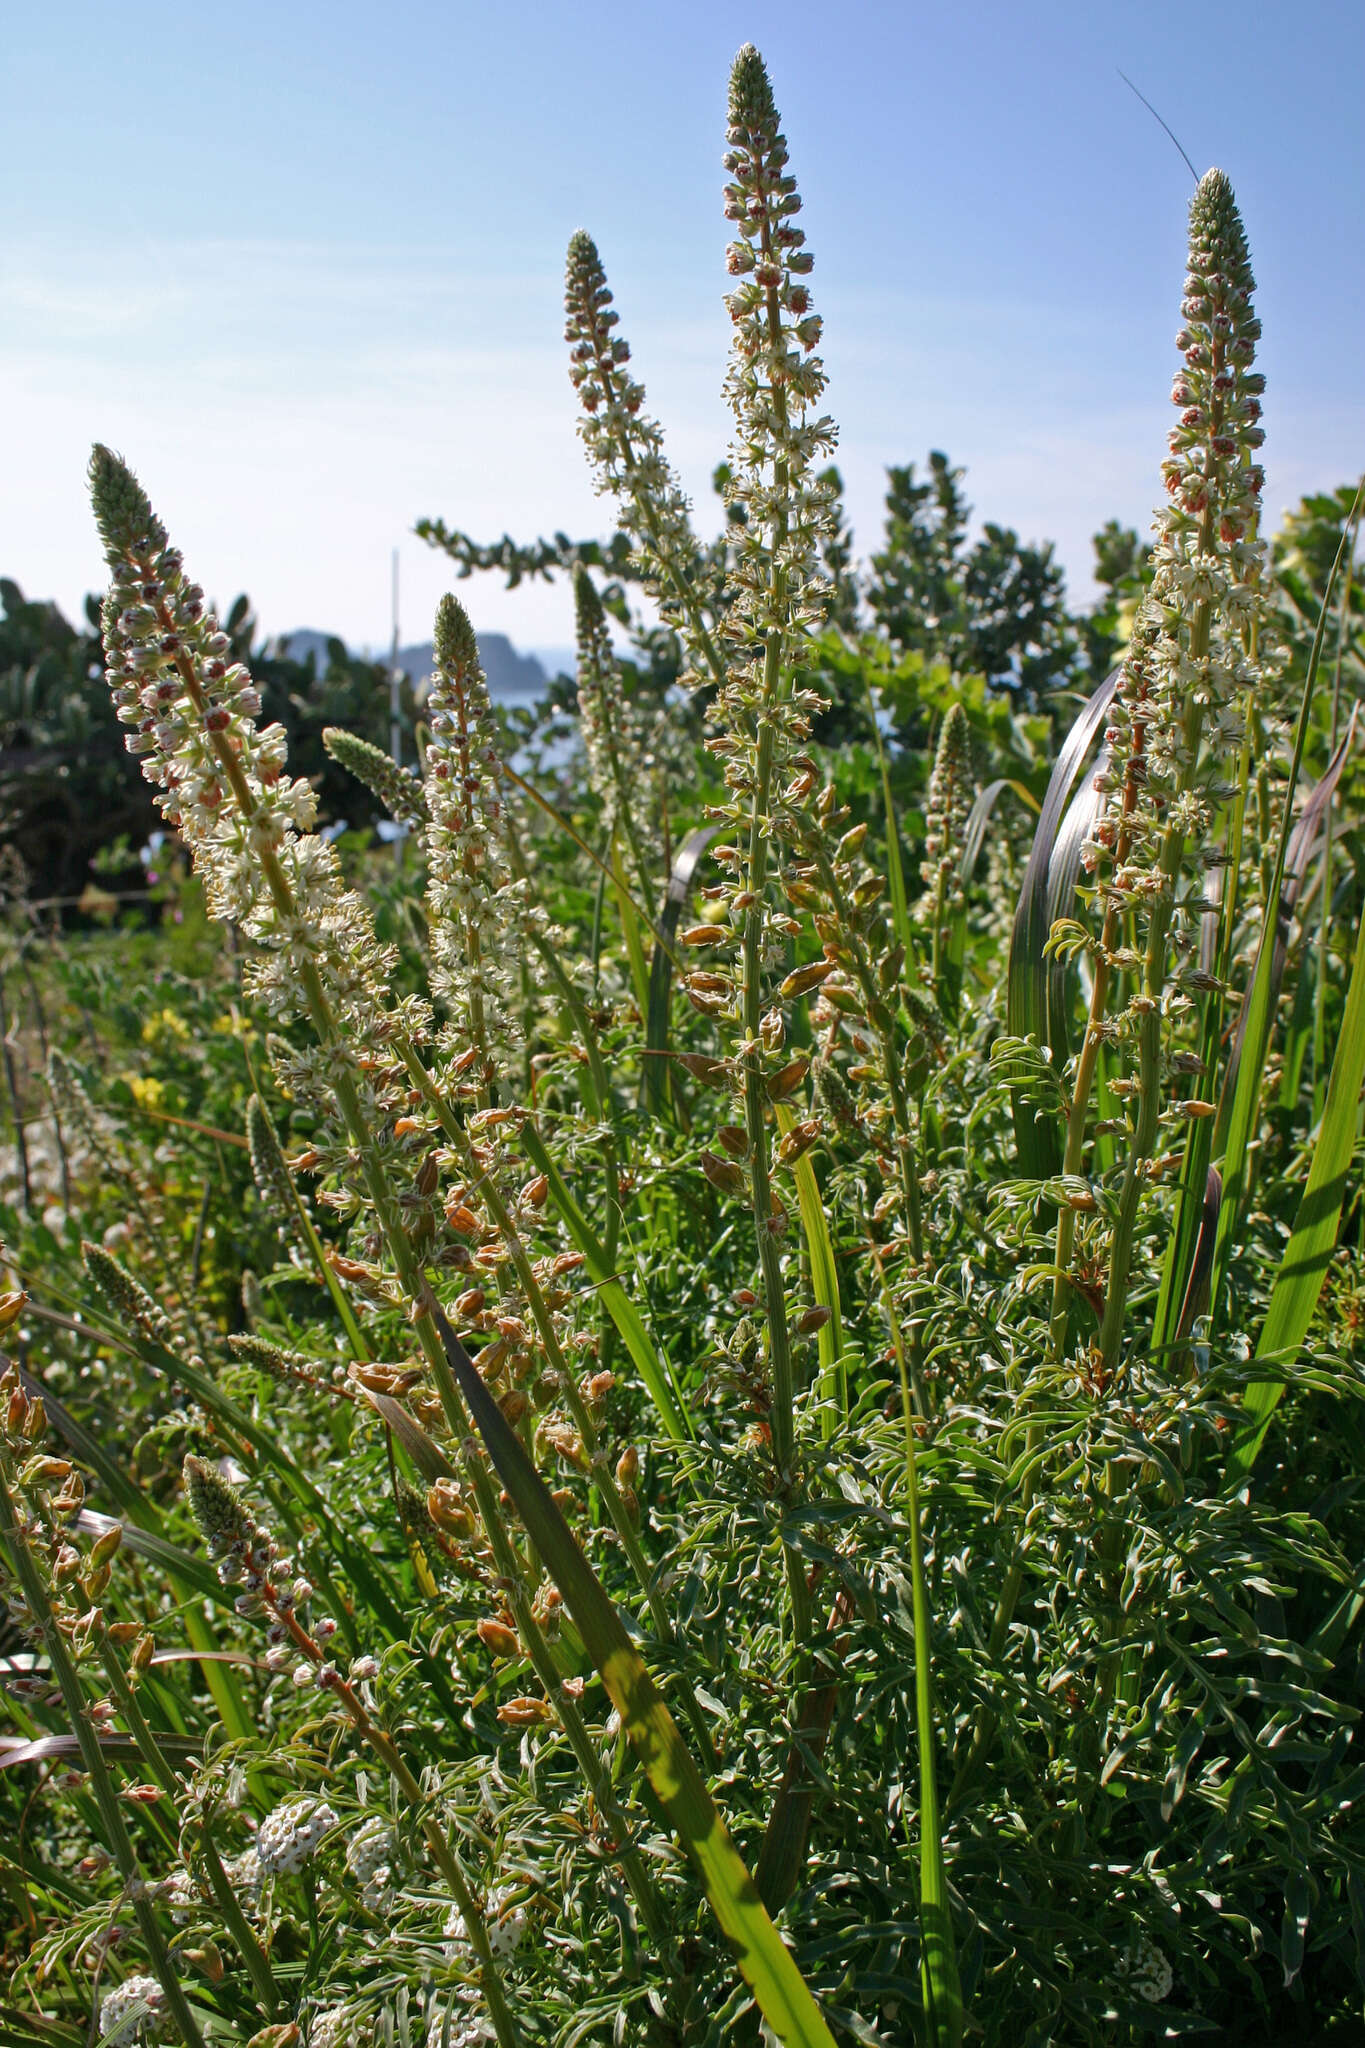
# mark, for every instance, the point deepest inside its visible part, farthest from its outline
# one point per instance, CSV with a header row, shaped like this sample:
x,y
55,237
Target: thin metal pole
x,y
395,679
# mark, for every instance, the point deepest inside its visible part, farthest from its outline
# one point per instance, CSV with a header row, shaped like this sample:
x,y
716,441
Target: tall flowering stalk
x,y
618,764
950,799
763,713
1177,722
626,449
480,908
222,785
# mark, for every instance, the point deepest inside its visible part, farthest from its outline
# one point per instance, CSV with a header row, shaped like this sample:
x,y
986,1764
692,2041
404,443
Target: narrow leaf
x,y
781,1992
1298,1283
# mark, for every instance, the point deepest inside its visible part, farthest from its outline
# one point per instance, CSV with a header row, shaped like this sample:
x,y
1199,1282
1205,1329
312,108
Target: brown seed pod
x,y
802,979
499,1638
524,1712
723,1174
787,1079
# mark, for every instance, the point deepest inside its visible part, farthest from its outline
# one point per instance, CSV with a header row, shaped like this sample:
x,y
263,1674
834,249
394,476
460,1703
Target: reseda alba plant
x,y
773,1553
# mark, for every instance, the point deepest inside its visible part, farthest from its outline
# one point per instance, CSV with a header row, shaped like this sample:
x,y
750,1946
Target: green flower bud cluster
x,y
480,908
945,821
398,789
624,445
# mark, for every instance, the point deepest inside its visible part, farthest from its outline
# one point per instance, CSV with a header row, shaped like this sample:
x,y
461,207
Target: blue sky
x,y
301,263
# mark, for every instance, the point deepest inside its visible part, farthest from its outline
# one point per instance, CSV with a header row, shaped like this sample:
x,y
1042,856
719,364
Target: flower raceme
x,y
221,780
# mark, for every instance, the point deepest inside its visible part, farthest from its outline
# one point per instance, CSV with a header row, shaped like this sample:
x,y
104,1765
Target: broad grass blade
x,y
824,1281
1298,1283
979,816
1038,1144
655,1082
780,1990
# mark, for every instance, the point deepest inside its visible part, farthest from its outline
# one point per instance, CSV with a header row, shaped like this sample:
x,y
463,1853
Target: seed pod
x,y
565,1442
802,979
703,934
514,1404
709,1073
812,1319
354,1270
797,1140
501,1640
427,1177
104,1547
735,1139
628,1466
889,973
41,1470
524,1712
35,1424
723,1174
448,1511
208,1958
11,1307
406,1125
773,1031
142,1653
535,1191
470,1302
463,1219
787,1079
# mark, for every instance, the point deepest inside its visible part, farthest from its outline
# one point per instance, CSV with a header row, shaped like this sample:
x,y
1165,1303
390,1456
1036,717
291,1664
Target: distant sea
x,y
513,677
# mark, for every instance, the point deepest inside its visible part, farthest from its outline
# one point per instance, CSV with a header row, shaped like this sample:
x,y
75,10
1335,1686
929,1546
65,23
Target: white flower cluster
x,y
179,1891
452,2030
134,2011
1148,1971
192,710
247,1878
287,1837
338,2026
371,1856
506,1925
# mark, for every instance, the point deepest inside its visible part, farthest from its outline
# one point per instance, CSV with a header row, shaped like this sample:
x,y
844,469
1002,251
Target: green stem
x,y
253,1955
92,1758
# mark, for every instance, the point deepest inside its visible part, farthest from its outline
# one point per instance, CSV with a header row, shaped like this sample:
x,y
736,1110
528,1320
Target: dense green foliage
x,y
720,1401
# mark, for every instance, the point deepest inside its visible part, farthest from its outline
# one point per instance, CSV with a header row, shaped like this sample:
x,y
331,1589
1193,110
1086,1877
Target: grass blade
x,y
778,1986
1298,1282
653,1369
824,1281
657,1014
1259,1007
1039,1144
